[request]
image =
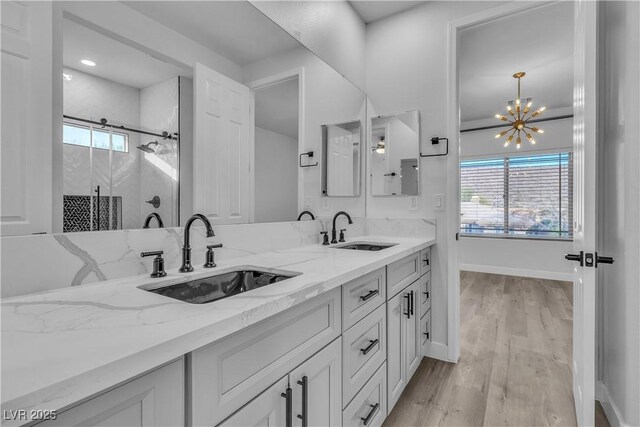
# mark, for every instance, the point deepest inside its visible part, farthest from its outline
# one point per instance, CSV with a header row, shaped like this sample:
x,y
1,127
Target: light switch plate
x,y
413,203
438,202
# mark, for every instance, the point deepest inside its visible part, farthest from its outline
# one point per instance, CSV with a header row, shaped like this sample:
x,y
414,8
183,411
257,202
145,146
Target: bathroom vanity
x,y
334,345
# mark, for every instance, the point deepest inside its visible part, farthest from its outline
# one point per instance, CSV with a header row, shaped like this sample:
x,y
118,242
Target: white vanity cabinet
x,y
154,399
311,394
403,341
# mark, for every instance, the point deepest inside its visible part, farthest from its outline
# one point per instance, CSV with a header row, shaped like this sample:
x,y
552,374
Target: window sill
x,y
508,237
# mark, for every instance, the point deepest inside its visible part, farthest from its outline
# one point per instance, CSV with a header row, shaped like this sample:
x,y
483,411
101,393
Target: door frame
x,y
452,200
262,83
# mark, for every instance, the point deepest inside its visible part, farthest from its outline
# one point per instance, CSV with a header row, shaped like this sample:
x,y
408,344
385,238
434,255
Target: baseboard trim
x,y
436,350
610,409
536,274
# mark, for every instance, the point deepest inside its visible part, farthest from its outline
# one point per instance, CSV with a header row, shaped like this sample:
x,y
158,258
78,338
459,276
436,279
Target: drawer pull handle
x,y
369,295
288,395
408,312
305,401
411,303
374,409
372,343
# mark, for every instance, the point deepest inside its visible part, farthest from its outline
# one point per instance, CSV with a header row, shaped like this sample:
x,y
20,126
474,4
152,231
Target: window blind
x,y
526,196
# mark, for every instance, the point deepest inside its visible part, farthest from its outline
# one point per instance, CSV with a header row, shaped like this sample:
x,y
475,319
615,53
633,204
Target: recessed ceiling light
x,y
88,63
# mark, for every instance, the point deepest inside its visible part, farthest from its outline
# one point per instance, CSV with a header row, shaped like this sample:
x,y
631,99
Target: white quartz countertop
x,y
62,346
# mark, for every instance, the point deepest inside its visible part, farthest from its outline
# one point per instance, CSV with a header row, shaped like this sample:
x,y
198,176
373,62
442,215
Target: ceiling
x,y
371,11
539,42
114,60
216,25
277,108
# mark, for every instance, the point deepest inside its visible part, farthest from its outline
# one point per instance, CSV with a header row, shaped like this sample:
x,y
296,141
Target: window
x,y
526,196
76,134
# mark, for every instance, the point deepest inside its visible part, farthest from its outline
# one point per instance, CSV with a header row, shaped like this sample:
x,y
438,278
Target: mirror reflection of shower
x,y
126,101
147,147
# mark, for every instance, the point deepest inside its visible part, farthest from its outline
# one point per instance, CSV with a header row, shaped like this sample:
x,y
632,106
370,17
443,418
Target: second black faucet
x,y
186,248
334,231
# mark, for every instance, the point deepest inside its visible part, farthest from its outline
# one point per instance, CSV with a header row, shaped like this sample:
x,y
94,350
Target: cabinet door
x,y
396,380
412,332
317,389
155,399
268,409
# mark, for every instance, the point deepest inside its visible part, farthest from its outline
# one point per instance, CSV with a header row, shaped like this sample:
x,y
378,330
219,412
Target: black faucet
x,y
306,213
333,231
150,217
186,249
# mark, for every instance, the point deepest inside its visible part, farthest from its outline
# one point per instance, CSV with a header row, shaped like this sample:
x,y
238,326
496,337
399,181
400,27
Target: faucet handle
x,y
158,263
210,260
325,237
342,234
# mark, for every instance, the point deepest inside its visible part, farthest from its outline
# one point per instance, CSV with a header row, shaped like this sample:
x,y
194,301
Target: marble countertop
x,y
60,347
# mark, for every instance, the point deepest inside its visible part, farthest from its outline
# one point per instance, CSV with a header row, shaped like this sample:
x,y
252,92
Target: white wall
x,y
90,97
276,177
159,111
331,29
619,287
531,258
328,99
406,57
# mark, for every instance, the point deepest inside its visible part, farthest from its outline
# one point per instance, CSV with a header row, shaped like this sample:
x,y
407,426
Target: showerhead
x,y
147,147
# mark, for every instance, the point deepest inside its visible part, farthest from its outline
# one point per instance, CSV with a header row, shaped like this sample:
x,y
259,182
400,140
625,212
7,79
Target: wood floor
x,y
514,367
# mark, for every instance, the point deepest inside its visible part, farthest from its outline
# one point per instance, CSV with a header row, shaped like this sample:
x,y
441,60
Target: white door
x,y
221,149
584,210
267,410
26,122
317,385
340,161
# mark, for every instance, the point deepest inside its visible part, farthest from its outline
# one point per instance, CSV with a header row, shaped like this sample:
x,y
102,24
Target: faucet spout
x,y
334,231
186,248
303,213
149,217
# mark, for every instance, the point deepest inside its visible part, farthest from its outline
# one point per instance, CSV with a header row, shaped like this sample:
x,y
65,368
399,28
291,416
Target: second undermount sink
x,y
365,246
223,285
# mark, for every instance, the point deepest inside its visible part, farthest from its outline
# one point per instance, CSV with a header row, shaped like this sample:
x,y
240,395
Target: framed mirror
x,y
341,159
394,154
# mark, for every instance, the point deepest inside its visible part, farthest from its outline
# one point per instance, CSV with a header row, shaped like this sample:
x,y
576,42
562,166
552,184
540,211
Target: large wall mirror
x,y
394,154
171,107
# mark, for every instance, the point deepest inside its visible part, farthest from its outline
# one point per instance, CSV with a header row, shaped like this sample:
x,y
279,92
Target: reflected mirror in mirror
x,y
394,153
341,159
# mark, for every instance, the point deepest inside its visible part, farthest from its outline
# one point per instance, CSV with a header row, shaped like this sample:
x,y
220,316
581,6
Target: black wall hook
x,y
435,141
309,154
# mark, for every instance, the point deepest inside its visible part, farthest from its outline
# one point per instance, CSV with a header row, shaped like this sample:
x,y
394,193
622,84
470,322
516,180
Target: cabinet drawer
x,y
424,294
230,372
361,296
402,273
364,349
425,260
364,404
425,328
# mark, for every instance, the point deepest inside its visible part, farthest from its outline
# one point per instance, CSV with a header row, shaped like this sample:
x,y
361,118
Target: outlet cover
x,y
308,200
325,203
413,203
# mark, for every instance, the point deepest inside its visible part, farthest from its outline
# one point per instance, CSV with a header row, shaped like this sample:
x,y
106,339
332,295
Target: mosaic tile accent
x,y
77,213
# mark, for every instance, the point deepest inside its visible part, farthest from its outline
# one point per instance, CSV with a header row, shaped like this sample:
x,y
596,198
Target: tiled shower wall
x,y
93,98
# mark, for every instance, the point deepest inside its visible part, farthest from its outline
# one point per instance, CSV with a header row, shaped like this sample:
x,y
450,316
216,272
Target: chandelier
x,y
518,118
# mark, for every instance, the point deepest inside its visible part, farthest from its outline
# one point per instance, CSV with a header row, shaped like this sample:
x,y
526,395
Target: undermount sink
x,y
223,285
365,246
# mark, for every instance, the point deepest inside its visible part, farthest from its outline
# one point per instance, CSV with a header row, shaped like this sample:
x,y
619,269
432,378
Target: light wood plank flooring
x,y
514,367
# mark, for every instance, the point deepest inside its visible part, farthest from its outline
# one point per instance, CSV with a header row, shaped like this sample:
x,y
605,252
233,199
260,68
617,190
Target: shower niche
x,y
122,122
